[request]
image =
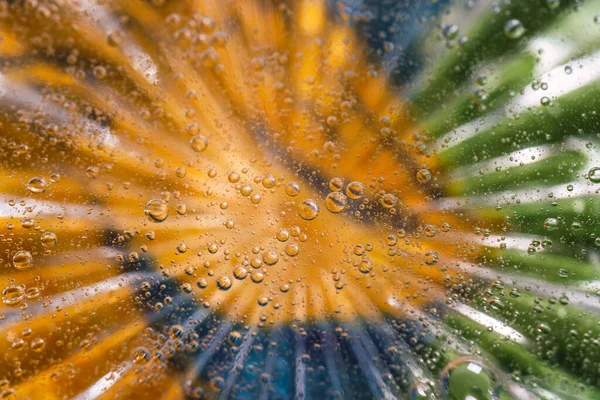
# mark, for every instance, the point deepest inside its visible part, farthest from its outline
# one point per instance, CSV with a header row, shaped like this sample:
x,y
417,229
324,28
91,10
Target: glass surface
x,y
311,199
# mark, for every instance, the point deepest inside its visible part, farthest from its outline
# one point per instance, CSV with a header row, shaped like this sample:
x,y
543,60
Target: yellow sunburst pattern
x,y
275,199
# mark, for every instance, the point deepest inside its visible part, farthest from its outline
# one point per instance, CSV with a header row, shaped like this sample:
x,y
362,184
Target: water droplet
x,y
465,378
479,96
292,189
271,257
224,282
421,391
336,184
594,175
140,356
365,266
431,257
568,70
355,190
388,200
335,202
37,184
551,224
450,31
423,176
13,295
292,250
38,345
157,210
235,338
240,273
22,260
514,29
199,143
308,209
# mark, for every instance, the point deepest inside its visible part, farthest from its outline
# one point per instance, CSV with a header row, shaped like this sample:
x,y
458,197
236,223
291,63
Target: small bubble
x,y
308,209
568,70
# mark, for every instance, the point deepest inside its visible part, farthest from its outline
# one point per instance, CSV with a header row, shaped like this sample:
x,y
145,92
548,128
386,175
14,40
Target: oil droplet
x,y
468,379
423,176
157,210
355,190
37,184
594,175
22,260
12,295
308,209
224,283
514,29
199,143
48,239
335,202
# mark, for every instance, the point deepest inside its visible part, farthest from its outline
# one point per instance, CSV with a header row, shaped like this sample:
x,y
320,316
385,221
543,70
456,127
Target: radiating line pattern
x,y
299,199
